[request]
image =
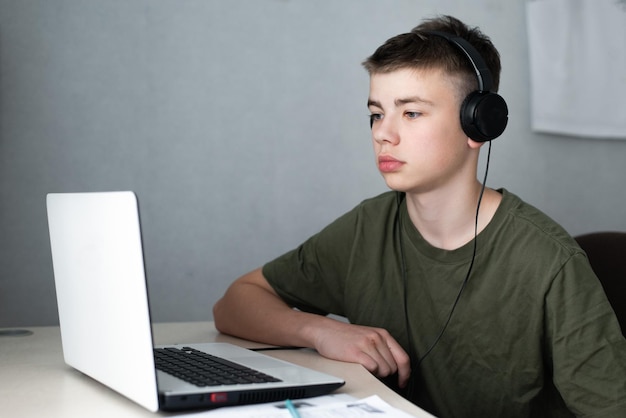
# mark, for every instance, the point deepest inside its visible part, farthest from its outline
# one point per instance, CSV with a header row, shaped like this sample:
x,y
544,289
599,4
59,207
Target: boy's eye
x,y
412,115
375,117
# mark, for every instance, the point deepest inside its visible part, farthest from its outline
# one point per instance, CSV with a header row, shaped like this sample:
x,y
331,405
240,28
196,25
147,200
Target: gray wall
x,y
242,127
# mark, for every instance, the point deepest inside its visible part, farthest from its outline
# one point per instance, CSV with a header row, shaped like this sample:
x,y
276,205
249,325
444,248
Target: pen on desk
x,y
292,409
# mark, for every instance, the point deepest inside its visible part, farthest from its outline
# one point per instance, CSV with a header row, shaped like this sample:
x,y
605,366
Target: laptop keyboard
x,y
202,369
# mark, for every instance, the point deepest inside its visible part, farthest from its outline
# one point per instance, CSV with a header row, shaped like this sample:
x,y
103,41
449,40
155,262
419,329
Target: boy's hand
x,y
373,348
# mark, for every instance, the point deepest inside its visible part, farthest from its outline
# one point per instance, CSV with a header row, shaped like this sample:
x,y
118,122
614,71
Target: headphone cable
x,y
463,285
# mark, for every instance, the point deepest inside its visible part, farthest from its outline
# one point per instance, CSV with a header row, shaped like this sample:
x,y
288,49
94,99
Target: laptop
x,y
105,323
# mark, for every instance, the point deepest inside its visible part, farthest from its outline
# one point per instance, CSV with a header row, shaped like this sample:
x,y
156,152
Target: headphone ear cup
x,y
484,116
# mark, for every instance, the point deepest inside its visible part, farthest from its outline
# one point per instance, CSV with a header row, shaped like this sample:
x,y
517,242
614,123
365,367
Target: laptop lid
x,y
101,291
104,312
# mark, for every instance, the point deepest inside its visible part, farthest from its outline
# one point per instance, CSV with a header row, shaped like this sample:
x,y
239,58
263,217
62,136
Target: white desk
x,y
35,382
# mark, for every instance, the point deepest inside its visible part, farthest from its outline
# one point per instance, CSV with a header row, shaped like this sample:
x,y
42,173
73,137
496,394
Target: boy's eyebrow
x,y
401,102
374,103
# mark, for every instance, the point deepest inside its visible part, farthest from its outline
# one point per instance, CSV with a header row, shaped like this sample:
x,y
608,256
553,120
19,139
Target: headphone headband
x,y
483,74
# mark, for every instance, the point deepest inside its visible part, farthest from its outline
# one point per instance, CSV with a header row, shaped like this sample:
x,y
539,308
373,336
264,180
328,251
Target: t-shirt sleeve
x,y
311,276
587,347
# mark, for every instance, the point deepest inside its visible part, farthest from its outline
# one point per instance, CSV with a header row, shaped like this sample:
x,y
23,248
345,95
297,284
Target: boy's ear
x,y
474,144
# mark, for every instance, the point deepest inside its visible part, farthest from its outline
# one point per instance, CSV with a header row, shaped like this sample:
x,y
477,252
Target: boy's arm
x,y
251,309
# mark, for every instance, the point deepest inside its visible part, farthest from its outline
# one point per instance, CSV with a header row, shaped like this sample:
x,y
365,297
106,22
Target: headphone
x,y
484,113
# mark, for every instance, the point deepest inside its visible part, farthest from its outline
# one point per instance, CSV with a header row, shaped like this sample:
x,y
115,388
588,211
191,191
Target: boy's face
x,y
418,141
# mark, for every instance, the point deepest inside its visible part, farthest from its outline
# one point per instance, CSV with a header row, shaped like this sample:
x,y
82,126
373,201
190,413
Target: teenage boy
x,y
475,303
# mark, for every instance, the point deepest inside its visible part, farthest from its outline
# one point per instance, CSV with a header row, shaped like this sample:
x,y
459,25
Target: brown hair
x,y
419,50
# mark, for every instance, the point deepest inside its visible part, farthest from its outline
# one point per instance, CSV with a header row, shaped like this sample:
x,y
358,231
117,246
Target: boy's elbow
x,y
218,316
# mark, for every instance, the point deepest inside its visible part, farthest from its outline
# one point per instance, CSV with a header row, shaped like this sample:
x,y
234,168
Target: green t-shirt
x,y
532,331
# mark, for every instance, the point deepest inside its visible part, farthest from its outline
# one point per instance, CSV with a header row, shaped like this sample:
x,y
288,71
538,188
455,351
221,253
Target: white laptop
x,y
105,318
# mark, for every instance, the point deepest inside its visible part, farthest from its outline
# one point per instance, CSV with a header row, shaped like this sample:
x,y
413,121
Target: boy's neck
x,y
446,218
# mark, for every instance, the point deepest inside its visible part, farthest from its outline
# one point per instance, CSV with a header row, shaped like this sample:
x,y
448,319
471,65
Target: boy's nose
x,y
384,131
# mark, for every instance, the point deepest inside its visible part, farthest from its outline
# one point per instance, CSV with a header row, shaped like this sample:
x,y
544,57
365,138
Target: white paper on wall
x,y
577,51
